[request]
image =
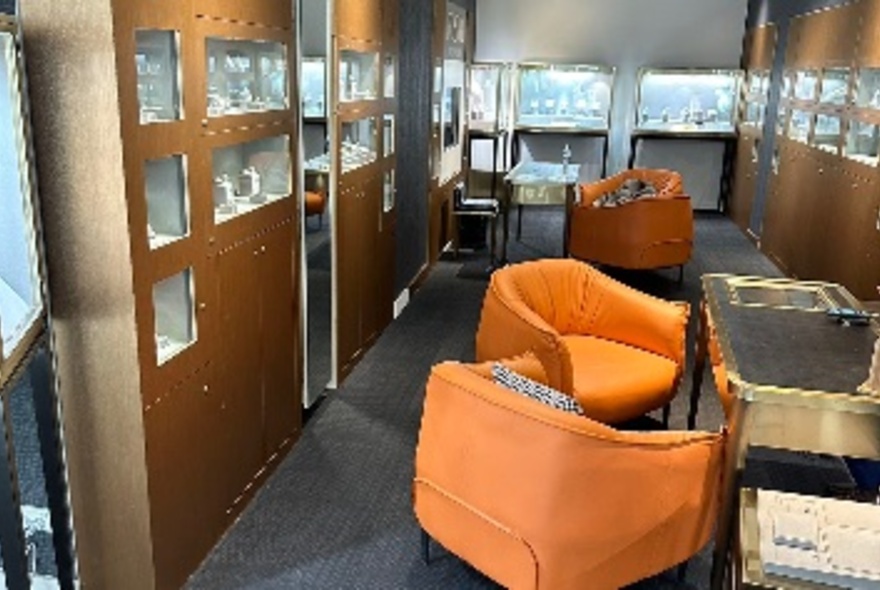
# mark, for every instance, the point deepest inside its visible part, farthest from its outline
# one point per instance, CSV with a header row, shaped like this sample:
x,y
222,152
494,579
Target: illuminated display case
x,y
690,101
806,85
20,285
552,96
359,144
358,75
174,315
863,142
250,175
167,200
826,133
158,72
834,89
246,76
799,125
489,96
314,87
867,93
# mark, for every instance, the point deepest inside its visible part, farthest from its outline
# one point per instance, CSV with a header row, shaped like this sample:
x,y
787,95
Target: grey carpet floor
x,y
337,513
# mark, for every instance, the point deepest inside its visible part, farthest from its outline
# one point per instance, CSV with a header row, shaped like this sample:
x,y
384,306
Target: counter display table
x,y
794,377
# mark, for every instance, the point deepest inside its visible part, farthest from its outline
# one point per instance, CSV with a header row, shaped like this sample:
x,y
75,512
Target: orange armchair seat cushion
x,y
315,203
650,232
618,351
540,499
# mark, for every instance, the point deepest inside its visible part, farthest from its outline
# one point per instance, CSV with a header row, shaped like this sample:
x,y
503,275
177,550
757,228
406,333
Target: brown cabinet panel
x,y
359,20
744,180
821,34
348,290
238,343
277,13
868,49
186,504
282,408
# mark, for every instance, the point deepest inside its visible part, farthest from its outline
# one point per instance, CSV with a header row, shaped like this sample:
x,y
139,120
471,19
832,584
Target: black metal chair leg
x,y
682,571
667,409
426,547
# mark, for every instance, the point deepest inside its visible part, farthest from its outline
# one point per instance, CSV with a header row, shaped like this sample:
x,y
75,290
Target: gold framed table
x,y
536,184
793,377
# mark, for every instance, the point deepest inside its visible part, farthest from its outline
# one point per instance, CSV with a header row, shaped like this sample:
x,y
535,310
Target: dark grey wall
x,y
779,13
414,118
7,6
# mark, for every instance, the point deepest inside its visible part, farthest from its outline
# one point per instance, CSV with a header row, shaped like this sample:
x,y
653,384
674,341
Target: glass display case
x,y
20,286
250,175
835,86
867,94
754,115
689,100
158,73
806,83
564,96
358,75
787,85
826,133
388,192
781,119
863,143
314,87
387,135
167,200
758,83
359,144
389,76
799,126
246,76
175,328
489,96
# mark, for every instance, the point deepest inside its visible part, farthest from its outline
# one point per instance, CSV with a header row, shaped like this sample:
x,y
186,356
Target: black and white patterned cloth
x,y
513,381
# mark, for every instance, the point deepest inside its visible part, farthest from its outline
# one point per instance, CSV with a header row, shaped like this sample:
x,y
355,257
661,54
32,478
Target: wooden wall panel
x,y
359,19
745,179
827,37
868,48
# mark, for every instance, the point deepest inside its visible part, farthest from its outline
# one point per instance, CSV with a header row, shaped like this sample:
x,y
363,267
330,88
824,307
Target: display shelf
x,y
863,143
552,96
359,144
249,176
683,101
246,76
806,84
799,126
167,200
388,192
489,97
318,164
867,88
754,114
834,89
159,77
358,75
826,133
758,83
389,76
175,325
388,135
20,285
314,87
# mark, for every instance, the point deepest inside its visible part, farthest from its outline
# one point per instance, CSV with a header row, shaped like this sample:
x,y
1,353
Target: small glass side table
x,y
540,183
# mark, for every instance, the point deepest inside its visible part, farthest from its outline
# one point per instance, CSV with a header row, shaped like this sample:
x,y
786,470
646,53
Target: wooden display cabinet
x,y
363,160
172,233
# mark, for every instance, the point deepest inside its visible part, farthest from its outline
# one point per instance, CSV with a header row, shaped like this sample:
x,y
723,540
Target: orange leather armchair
x,y
651,232
536,498
618,351
316,203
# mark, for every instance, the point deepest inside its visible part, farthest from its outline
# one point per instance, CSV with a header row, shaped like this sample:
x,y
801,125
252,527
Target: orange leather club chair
x,y
540,499
316,203
651,232
619,352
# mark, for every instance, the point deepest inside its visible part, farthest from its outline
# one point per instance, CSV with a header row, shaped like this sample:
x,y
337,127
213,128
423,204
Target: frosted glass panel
x,y
175,318
20,298
167,201
158,76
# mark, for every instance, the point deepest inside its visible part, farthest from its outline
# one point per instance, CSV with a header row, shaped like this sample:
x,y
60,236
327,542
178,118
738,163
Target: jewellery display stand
x,y
172,229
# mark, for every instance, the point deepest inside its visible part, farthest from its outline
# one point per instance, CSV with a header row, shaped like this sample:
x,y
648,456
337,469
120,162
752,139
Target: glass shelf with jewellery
x,y
863,142
359,146
799,125
489,97
826,133
692,101
564,97
246,76
358,75
174,312
158,75
250,175
314,87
